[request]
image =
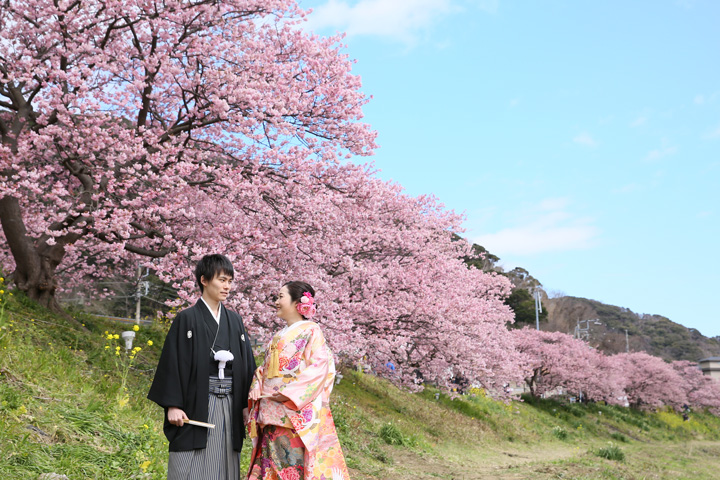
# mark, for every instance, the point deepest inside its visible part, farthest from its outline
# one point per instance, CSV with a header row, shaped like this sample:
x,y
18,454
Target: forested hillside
x,y
654,334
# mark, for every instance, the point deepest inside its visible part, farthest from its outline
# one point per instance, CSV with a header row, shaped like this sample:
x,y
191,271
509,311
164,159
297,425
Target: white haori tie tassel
x,y
223,356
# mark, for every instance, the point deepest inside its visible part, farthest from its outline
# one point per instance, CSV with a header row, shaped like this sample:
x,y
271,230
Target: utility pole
x,y
138,296
584,332
538,307
138,292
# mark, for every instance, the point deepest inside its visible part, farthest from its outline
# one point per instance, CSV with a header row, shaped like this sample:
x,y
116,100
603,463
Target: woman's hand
x,y
254,394
176,416
278,397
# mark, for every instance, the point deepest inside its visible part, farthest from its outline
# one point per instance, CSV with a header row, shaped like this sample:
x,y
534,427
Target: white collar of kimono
x,y
216,317
288,328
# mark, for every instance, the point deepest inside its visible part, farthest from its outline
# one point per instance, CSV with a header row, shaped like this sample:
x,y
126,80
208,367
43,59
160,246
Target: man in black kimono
x,y
189,384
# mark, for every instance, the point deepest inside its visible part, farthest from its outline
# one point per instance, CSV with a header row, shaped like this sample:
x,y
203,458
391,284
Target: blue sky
x,y
581,139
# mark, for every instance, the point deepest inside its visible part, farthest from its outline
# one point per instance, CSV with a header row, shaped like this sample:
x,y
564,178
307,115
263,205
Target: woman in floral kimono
x,y
290,422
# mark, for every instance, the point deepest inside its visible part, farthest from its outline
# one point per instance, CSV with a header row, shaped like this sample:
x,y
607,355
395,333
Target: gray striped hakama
x,y
218,460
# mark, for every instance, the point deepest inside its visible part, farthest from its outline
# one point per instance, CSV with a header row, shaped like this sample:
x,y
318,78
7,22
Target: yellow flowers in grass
x,y
123,360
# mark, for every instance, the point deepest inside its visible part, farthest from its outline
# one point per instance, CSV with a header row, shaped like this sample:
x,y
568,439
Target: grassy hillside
x,y
69,405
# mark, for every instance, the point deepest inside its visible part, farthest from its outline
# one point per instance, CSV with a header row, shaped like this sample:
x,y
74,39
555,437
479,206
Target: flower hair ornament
x,y
306,305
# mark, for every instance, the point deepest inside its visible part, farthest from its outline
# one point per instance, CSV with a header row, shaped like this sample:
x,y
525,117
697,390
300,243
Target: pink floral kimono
x,y
296,439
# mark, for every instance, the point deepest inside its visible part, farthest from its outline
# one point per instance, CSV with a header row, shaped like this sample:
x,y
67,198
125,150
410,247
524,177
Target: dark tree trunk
x,y
35,260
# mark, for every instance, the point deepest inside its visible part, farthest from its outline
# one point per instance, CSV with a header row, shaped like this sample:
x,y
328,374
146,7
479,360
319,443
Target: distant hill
x,y
654,334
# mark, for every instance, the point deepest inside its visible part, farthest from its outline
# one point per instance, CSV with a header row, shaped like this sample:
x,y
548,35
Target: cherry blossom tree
x,y
702,391
113,113
650,382
607,380
554,359
154,133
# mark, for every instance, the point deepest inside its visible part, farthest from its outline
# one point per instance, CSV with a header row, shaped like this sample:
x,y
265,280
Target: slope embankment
x,y
72,402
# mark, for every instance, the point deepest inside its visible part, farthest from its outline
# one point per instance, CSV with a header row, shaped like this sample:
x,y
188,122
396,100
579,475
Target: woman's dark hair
x,y
296,290
211,265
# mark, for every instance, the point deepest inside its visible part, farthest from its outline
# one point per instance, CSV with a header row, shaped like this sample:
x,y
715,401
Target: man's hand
x,y
177,416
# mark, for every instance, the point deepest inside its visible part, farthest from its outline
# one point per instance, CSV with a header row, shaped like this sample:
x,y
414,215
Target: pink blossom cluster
x,y
154,133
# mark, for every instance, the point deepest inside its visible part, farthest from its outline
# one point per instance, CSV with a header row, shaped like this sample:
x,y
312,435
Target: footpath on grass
x,y
72,402
388,433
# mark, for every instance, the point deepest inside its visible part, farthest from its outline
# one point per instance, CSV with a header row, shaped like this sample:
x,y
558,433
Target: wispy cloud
x,y
639,121
551,229
713,133
585,139
628,188
704,99
514,102
658,153
401,20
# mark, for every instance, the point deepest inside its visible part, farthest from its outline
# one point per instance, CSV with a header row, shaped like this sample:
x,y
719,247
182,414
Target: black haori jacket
x,y
182,378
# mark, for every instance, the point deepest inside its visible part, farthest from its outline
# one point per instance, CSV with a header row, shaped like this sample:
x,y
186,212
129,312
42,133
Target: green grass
x,y
69,405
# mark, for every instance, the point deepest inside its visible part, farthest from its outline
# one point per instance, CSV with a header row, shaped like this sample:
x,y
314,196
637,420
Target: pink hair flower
x,y
306,306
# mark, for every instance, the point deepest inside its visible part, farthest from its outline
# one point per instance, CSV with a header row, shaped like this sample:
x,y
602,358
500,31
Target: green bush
x,y
560,433
611,452
393,436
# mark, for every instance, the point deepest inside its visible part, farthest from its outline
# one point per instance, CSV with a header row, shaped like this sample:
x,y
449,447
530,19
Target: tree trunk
x,y
34,264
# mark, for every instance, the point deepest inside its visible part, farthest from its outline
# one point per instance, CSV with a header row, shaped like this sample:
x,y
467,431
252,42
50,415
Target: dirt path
x,y
644,461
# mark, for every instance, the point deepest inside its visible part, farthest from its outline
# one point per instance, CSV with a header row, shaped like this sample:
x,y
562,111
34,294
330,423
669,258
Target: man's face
x,y
218,288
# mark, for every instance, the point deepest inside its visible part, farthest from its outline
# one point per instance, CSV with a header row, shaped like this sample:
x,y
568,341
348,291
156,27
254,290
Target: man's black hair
x,y
211,265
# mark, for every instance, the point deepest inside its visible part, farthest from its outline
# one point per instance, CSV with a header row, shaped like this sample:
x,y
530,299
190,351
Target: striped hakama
x,y
218,461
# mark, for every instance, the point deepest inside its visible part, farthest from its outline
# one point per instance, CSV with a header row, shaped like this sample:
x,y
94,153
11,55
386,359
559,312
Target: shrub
x,y
393,436
611,452
560,433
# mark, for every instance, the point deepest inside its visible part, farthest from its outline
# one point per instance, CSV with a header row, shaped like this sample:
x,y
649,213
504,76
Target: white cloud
x,y
628,188
713,134
490,6
402,20
398,19
551,229
514,102
639,121
585,139
699,99
658,153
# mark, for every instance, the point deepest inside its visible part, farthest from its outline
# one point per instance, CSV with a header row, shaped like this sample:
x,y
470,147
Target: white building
x,y
710,366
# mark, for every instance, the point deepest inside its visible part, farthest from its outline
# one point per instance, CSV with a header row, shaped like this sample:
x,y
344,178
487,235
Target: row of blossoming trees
x,y
150,132
556,362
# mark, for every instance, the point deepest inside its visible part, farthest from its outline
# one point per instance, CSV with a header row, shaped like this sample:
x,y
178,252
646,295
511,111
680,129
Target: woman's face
x,y
285,306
